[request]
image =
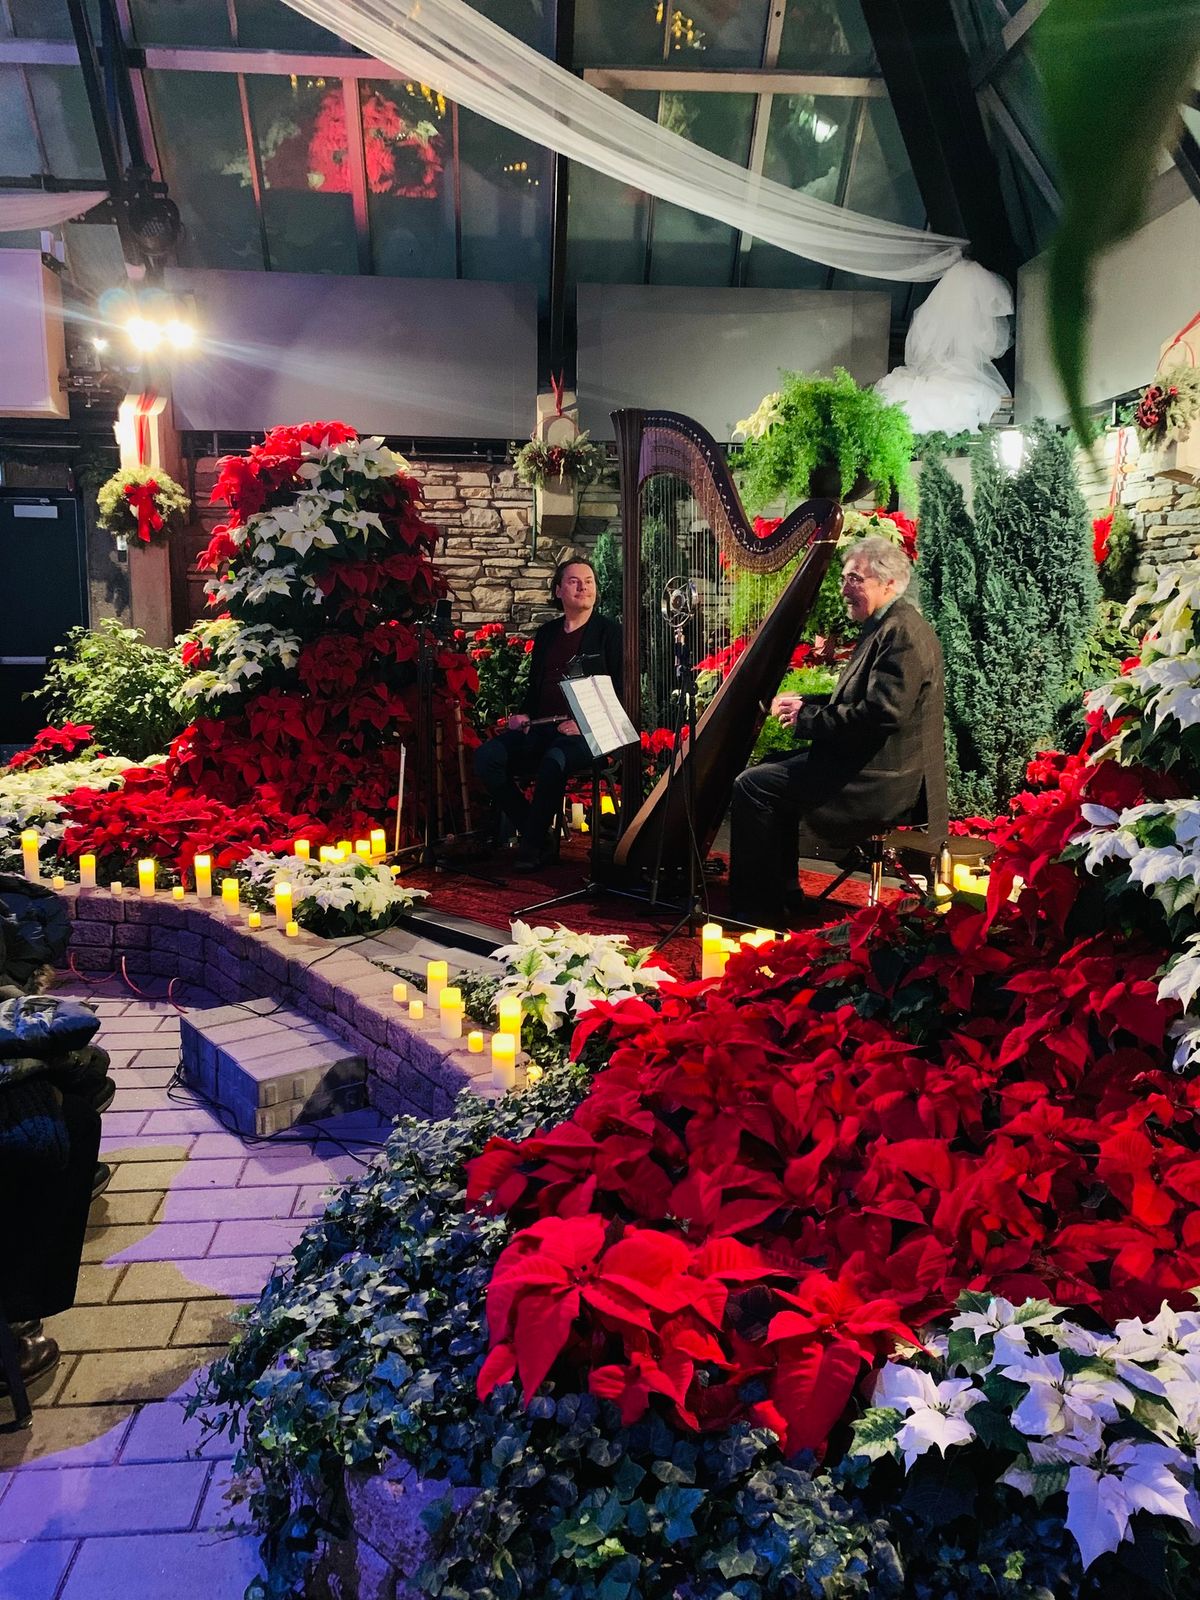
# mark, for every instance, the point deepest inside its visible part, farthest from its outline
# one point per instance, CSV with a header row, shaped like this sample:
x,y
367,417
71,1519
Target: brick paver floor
x,y
111,1496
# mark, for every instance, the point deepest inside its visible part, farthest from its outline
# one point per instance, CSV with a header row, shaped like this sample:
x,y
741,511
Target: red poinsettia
x,y
54,744
1101,533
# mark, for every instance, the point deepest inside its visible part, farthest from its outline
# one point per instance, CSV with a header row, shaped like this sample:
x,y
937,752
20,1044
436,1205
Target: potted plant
x,y
570,461
823,438
1165,418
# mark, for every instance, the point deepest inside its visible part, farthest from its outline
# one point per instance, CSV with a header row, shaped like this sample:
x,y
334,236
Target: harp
x,y
654,444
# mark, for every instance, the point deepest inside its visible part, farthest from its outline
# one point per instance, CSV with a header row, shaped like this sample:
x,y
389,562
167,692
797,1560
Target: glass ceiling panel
x,y
181,22
1019,85
61,107
19,153
606,220
410,179
531,21
271,25
806,143
981,24
39,19
881,180
820,33
687,248
304,158
506,187
647,33
198,129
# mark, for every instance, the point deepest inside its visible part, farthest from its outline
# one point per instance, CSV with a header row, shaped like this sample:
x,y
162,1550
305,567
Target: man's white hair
x,y
882,558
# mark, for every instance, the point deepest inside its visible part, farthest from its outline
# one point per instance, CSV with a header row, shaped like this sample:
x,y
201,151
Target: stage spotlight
x,y
181,335
1010,448
144,335
99,345
823,131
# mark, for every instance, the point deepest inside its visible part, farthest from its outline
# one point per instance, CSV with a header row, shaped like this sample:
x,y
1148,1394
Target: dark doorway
x,y
42,595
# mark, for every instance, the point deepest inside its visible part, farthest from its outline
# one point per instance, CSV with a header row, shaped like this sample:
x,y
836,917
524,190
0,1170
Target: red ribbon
x,y
142,503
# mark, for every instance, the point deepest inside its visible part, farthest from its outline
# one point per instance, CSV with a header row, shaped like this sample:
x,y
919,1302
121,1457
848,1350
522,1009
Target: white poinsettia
x,y
304,524
558,974
366,889
935,1414
1105,1490
29,798
1060,1401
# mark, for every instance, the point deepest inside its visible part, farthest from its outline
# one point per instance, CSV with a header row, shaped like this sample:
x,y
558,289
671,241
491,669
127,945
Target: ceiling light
x,y
823,131
99,344
1010,448
181,334
145,335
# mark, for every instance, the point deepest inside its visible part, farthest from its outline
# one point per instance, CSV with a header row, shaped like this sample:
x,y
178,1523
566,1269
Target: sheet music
x,y
599,713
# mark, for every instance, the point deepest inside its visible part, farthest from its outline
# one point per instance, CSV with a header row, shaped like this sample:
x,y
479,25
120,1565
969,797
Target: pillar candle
x,y
292,931
475,1042
378,842
116,887
533,1074
328,852
58,881
177,892
146,879
577,815
254,921
344,846
362,849
508,1011
203,870
437,976
399,993
29,852
607,808
416,1009
302,849
283,904
450,1013
87,872
504,1061
230,895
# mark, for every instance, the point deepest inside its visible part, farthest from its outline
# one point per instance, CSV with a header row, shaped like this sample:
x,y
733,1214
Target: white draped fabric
x,y
948,382
452,48
24,209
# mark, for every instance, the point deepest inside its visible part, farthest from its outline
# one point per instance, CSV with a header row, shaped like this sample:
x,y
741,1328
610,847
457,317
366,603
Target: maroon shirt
x,y
560,652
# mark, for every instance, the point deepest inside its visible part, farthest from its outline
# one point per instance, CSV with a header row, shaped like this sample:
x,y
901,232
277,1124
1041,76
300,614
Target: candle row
x,y
716,949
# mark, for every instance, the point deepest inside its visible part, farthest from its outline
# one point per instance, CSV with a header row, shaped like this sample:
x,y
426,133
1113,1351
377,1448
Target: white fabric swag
x,y
24,209
470,59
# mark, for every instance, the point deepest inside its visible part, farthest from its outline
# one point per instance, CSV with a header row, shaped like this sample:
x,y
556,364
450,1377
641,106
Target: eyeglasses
x,y
853,580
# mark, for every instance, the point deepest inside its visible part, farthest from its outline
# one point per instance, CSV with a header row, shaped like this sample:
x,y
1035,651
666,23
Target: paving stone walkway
x,y
111,1496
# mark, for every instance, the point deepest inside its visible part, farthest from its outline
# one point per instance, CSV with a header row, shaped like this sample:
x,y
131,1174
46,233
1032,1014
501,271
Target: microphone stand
x,y
684,731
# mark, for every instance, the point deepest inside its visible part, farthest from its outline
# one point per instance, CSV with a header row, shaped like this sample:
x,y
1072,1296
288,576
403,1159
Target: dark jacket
x,y
882,731
599,655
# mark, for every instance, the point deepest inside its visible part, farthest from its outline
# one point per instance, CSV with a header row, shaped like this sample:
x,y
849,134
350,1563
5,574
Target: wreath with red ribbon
x,y
148,495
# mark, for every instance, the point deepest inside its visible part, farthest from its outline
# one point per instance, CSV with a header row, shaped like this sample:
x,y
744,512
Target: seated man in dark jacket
x,y
872,743
580,643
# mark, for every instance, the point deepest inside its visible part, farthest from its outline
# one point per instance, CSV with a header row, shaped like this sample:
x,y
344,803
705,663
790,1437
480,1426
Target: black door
x,y
42,595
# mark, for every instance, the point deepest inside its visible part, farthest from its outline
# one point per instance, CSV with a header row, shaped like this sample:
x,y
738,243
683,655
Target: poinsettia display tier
x,y
410,1069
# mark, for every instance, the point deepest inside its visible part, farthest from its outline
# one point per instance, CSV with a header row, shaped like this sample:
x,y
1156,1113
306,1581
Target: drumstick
x,y
400,794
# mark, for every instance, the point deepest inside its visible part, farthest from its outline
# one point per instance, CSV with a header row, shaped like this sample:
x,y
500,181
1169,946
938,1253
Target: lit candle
x,y
302,850
203,869
378,842
712,956
344,846
437,976
292,931
475,1042
58,881
146,879
533,1075
29,852
607,808
450,1013
508,1010
342,853
362,849
756,940
416,1010
283,904
254,921
400,993
116,887
177,892
87,872
504,1061
577,816
328,852
230,896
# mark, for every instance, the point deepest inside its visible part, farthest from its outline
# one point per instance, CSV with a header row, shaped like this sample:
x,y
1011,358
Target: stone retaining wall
x,y
410,1070
1166,514
486,552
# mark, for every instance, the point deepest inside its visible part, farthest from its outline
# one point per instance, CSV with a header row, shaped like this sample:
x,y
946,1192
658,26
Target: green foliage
x,y
118,516
754,593
125,688
937,443
775,738
814,421
1099,661
1117,568
1012,595
1106,64
608,561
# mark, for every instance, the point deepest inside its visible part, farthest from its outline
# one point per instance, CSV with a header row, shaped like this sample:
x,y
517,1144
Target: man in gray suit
x,y
873,743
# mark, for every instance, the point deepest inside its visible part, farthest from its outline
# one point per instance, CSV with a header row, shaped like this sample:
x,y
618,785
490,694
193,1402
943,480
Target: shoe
x,y
104,1095
26,1330
101,1179
530,857
37,1355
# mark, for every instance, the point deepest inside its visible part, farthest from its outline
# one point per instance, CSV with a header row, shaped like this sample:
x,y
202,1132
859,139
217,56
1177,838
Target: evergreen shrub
x,y
125,689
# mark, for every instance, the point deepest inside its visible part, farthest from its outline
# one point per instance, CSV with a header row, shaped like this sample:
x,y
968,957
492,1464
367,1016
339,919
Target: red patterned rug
x,y
490,893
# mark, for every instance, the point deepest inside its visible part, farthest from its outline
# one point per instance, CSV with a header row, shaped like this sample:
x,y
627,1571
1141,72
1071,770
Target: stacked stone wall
x,y
497,565
1166,514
